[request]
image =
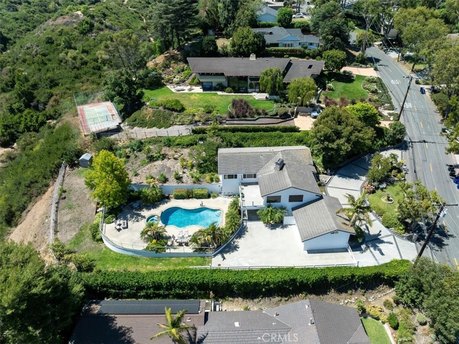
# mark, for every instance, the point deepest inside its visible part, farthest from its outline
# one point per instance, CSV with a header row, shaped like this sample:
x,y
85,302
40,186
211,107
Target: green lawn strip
x,y
375,331
107,260
349,90
200,100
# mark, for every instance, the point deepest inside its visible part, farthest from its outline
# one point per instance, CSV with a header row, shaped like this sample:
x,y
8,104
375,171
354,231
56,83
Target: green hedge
x,y
281,52
266,24
196,283
200,193
182,193
249,129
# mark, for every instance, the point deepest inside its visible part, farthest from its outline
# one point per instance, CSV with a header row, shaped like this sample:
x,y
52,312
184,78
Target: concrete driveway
x,y
260,246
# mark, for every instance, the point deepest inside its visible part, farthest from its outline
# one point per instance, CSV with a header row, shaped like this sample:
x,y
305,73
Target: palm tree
x,y
359,210
212,236
270,215
153,231
173,327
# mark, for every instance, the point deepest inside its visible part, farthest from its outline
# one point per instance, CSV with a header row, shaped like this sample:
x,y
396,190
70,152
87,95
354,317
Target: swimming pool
x,y
153,218
182,218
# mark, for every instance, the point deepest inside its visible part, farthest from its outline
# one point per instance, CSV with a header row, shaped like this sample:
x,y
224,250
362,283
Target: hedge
x,y
248,129
266,24
200,193
182,193
199,283
282,52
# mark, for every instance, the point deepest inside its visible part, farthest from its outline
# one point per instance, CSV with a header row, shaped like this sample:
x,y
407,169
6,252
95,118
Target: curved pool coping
x,y
192,227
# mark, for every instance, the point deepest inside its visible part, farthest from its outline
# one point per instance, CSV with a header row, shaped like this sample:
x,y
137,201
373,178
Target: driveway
x,y
260,246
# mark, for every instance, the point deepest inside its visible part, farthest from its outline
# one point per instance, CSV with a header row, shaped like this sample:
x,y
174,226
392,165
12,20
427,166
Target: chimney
x,y
252,57
279,164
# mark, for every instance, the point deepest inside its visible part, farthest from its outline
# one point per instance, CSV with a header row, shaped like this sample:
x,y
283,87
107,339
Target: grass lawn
x,y
375,331
346,88
106,259
380,207
200,100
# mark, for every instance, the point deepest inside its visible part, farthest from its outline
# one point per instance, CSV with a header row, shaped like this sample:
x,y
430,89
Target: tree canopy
x,y
338,135
301,91
284,16
271,81
245,42
108,180
366,112
37,303
331,24
334,59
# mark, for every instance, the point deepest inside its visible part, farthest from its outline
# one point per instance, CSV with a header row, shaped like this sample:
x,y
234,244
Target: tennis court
x,y
98,117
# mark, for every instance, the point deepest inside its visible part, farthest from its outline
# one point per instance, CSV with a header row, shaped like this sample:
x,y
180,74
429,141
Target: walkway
x,y
129,133
380,245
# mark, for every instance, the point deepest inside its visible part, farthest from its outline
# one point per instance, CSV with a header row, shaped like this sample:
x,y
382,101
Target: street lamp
x,y
441,213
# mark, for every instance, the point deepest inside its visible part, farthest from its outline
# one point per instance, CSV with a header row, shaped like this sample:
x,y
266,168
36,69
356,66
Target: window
x,y
230,176
249,175
273,199
295,198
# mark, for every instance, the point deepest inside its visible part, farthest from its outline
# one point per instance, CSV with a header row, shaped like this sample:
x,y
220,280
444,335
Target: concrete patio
x,y
130,237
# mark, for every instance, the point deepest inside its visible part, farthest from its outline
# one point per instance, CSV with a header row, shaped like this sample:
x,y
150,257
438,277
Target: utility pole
x,y
404,99
432,229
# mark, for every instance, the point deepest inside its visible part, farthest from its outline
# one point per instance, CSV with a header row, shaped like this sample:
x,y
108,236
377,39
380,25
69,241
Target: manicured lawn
x,y
377,203
375,331
108,260
201,100
345,88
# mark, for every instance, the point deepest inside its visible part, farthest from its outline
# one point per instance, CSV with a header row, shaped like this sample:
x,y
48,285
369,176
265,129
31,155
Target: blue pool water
x,y
152,218
182,218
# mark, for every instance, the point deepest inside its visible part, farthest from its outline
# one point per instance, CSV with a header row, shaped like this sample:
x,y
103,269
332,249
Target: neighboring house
x,y
243,74
311,322
132,321
288,38
135,322
267,14
285,177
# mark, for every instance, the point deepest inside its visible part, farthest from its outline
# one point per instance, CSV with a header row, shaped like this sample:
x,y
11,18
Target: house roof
x,y
275,34
235,66
265,9
303,68
320,217
244,327
297,172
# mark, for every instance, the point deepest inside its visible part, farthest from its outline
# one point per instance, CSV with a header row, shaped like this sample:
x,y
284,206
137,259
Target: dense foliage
x,y
271,81
433,288
245,42
246,284
301,91
38,303
29,172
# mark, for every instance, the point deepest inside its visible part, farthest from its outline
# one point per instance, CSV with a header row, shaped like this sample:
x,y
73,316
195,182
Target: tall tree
x,y
446,69
369,10
284,16
331,24
173,21
301,91
37,303
334,59
271,81
366,112
174,327
337,135
245,42
124,90
108,180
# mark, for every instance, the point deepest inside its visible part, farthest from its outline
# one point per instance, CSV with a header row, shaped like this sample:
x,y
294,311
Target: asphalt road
x,y
425,156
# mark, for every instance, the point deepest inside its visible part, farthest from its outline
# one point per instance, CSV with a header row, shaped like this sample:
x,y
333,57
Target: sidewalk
x,y
380,245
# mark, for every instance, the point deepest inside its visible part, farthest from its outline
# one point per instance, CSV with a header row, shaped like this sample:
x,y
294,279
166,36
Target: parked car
x,y
299,15
423,90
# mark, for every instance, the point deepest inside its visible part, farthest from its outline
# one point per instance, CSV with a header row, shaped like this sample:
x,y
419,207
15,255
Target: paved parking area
x,y
260,246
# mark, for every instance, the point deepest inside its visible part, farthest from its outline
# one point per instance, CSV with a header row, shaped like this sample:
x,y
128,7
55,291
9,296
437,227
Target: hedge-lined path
x,y
381,245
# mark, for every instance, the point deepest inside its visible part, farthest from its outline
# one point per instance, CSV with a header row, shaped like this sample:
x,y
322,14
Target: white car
x,y
299,15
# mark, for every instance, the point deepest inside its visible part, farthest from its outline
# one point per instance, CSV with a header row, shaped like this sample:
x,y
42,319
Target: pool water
x,y
182,218
153,218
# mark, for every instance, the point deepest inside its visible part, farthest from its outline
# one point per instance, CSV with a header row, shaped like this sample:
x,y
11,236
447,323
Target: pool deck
x,y
130,237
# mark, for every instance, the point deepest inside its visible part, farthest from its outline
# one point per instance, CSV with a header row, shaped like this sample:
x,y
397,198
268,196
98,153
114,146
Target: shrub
x,y
421,319
151,194
390,220
171,104
229,90
200,193
248,129
360,306
180,194
82,262
232,217
162,178
388,304
406,327
177,176
303,25
241,108
197,283
376,312
392,320
95,232
110,219
282,52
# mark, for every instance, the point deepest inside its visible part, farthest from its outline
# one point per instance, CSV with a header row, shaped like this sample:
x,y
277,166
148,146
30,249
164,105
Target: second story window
x,y
273,199
250,176
230,176
295,198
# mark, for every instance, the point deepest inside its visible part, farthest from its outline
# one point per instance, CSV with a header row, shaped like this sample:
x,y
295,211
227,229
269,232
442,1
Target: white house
x,y
288,38
285,177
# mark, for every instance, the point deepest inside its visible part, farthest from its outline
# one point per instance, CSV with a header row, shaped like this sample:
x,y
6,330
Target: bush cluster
x,y
201,193
171,104
282,52
240,108
392,320
248,129
192,283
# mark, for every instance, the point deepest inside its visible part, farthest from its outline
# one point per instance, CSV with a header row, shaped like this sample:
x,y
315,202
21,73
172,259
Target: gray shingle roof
x,y
247,160
245,327
275,34
338,324
298,172
303,69
235,66
320,217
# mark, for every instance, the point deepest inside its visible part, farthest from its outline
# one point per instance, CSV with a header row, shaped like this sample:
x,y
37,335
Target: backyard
x,y
204,100
375,331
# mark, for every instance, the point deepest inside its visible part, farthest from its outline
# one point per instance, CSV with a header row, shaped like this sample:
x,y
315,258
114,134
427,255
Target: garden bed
x,y
387,210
